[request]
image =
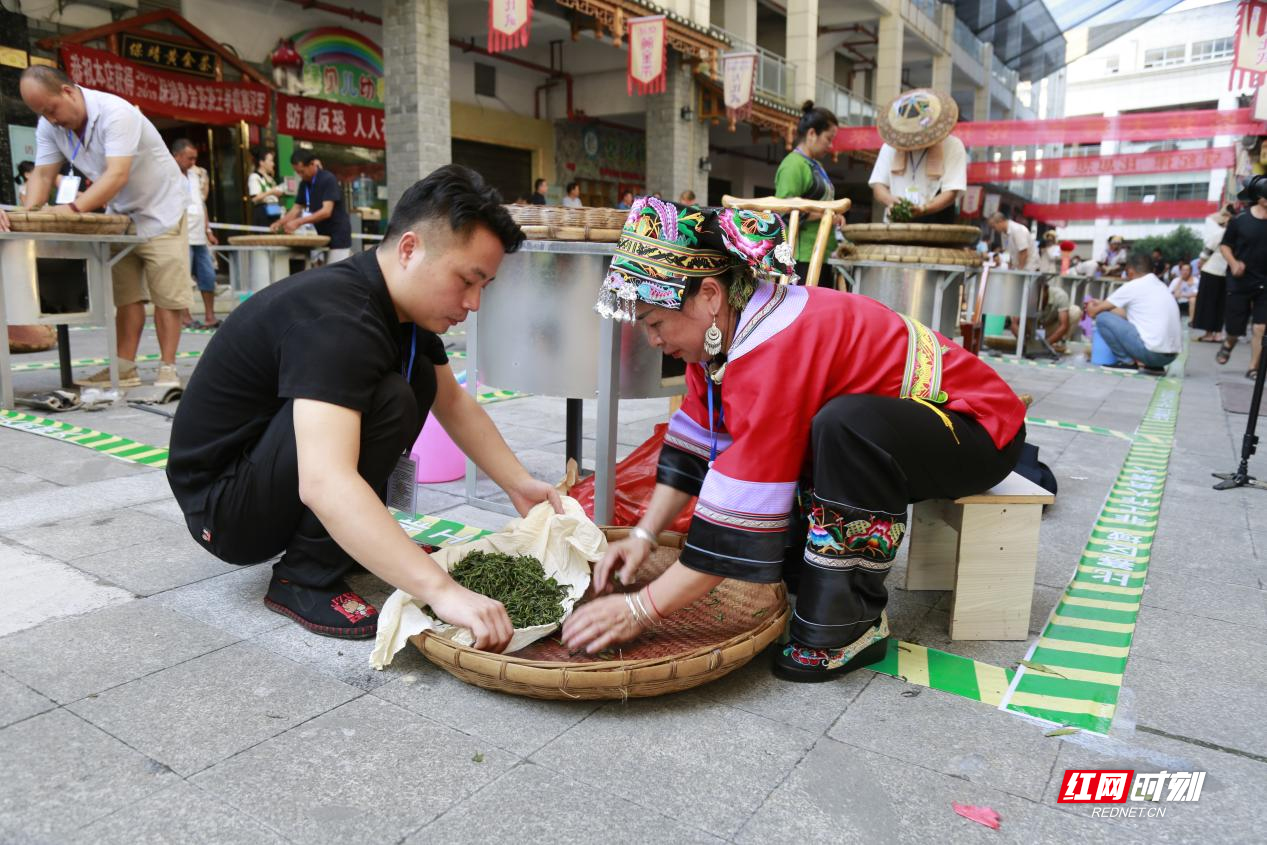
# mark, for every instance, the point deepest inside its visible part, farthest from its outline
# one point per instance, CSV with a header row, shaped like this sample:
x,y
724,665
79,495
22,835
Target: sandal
x,y
57,400
1251,374
1209,337
1224,353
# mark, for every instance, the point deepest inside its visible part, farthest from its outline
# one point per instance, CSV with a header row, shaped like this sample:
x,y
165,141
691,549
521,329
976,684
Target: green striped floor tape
x,y
950,673
1074,671
435,530
1079,427
32,366
119,448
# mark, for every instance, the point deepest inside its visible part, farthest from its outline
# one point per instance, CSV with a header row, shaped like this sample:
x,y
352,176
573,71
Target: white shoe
x,y
168,377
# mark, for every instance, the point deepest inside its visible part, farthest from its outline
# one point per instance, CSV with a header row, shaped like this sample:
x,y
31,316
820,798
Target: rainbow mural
x,y
341,65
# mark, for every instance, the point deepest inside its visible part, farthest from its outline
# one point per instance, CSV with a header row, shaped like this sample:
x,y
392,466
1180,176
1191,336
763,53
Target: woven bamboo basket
x,y
570,233
294,241
536,215
700,643
907,254
69,224
928,234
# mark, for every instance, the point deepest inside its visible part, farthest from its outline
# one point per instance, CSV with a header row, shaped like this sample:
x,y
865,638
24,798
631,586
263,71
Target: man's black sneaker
x,y
1153,371
333,611
1121,365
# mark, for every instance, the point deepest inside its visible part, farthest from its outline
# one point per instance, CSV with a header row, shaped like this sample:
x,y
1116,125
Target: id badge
x,y
67,190
402,486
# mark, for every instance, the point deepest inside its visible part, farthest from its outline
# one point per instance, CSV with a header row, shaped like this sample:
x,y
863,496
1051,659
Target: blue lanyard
x,y
413,350
70,136
816,167
712,452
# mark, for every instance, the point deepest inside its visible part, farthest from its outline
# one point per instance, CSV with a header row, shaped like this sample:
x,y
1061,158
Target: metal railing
x,y
775,77
849,108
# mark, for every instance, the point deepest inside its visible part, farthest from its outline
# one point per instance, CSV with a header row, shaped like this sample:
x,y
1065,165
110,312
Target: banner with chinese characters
x,y
648,57
1089,129
1249,65
167,94
739,75
335,123
167,56
1171,161
1164,210
509,23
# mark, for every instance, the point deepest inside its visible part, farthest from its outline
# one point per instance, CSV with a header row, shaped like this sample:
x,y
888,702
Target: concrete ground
x,y
146,694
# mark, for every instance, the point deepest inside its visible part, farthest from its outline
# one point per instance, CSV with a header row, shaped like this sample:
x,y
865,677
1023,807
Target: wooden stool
x,y
984,547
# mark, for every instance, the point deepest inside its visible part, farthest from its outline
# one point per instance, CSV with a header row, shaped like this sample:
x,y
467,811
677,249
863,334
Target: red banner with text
x,y
167,94
1165,210
1249,60
509,24
1172,161
648,55
335,123
1091,129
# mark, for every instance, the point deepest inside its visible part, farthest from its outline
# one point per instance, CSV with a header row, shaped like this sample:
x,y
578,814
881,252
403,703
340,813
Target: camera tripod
x,y
1242,478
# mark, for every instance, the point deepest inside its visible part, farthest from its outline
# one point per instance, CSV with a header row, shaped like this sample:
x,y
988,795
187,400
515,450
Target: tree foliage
x,y
1181,244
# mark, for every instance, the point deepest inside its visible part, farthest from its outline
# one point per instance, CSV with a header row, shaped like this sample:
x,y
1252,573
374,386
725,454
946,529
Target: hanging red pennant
x,y
1249,67
739,74
648,59
509,22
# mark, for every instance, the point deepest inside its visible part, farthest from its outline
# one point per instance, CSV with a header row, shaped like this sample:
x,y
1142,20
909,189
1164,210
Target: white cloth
x,y
1151,308
1016,240
572,202
1212,234
197,210
155,195
566,544
1086,267
913,183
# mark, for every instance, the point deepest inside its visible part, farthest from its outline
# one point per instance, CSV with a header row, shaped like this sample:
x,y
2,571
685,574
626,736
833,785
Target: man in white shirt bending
x,y
107,139
1017,242
1140,320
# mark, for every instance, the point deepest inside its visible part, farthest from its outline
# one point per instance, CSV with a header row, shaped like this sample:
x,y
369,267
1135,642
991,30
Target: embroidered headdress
x,y
663,246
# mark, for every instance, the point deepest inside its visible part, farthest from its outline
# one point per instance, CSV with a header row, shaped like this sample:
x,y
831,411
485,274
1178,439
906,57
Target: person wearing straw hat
x,y
813,418
920,161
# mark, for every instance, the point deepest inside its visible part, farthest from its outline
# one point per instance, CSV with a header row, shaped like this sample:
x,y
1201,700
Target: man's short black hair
x,y
458,196
1140,262
302,156
536,186
570,186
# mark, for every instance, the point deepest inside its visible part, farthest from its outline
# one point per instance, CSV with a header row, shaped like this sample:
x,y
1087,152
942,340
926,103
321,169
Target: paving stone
x,y
233,602
168,509
1200,597
530,804
99,532
1229,809
66,464
61,773
48,589
934,632
1181,639
519,725
344,660
845,794
669,752
15,484
955,736
83,496
70,658
181,813
160,563
1222,706
205,710
18,701
368,771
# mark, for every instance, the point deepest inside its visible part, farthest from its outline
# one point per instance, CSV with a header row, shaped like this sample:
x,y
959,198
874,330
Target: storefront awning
x,y
1030,36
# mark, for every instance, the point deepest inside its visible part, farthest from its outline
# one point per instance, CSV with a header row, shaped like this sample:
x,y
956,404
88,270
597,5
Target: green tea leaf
x,y
1038,667
1062,732
478,758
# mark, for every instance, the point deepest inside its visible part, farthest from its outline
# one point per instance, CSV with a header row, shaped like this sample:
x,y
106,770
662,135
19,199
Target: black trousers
x,y
253,509
1211,300
872,457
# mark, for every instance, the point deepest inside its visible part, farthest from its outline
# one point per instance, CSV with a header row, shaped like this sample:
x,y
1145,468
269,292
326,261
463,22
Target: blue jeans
x,y
1124,341
204,269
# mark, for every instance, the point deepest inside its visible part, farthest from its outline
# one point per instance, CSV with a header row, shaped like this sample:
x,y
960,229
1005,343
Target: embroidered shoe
x,y
101,378
333,611
804,664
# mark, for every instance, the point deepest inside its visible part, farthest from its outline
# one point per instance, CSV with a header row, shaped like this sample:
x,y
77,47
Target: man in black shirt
x,y
1245,248
314,387
318,201
538,193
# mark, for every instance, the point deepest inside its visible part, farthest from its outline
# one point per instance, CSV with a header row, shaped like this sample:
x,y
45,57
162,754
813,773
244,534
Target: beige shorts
x,y
156,271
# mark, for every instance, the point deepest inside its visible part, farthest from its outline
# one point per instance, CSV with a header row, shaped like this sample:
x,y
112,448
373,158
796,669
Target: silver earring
x,y
712,339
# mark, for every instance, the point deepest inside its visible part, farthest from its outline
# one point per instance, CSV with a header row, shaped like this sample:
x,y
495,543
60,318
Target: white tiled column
x,y
944,64
416,99
888,59
802,46
740,19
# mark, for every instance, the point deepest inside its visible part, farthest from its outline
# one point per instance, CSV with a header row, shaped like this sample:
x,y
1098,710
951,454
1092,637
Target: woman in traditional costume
x,y
801,175
813,419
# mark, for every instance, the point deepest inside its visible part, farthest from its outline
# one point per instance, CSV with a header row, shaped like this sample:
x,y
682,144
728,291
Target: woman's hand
x,y
595,625
486,618
625,557
531,492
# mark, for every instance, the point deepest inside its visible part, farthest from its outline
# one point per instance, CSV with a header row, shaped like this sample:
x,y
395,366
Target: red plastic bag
x,y
635,481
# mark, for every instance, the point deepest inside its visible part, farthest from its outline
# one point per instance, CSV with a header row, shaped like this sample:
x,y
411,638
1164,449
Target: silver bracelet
x,y
635,611
643,534
651,617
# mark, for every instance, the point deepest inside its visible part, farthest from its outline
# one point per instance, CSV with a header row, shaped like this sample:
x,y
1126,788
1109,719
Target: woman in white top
x,y
1207,315
265,194
1184,287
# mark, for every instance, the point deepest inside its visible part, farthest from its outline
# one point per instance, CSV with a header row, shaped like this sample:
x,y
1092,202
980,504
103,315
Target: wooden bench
x,y
984,547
